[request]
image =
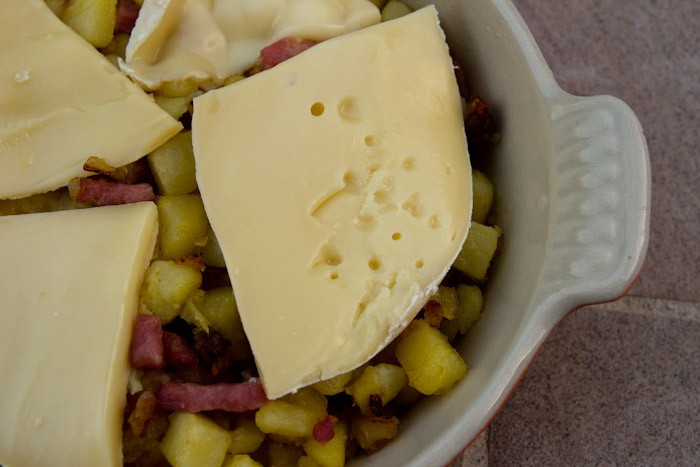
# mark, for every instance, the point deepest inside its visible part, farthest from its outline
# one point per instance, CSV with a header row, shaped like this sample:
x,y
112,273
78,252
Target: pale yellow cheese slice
x,y
209,40
69,288
339,187
62,102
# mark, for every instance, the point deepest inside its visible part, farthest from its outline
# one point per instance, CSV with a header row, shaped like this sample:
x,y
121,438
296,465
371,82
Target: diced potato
x,y
311,400
220,310
286,419
331,454
57,6
166,287
233,79
192,313
57,200
443,304
306,461
408,396
384,380
431,363
211,252
372,433
394,9
470,304
113,59
450,328
178,88
241,460
334,385
117,46
194,440
483,196
471,301
94,20
245,438
175,106
172,164
284,455
477,252
183,225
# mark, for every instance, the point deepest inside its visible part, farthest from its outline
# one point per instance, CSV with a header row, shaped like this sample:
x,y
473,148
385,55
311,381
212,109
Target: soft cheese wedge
x,y
339,187
63,102
209,40
70,284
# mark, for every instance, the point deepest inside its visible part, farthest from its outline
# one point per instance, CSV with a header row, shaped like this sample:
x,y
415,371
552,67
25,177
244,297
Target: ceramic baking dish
x,y
572,197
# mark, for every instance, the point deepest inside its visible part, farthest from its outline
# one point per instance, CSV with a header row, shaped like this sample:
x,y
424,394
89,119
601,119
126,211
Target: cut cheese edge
x,y
63,102
70,290
339,187
210,40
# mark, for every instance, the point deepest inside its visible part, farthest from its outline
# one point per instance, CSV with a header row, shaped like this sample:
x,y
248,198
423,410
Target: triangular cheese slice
x,y
339,187
70,286
62,102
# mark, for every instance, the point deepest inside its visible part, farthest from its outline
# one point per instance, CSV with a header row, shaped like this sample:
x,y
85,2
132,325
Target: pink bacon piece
x,y
103,192
282,50
191,397
147,343
127,12
323,430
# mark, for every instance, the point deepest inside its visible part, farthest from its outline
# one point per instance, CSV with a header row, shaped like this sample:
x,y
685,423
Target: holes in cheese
x,y
70,288
336,226
65,104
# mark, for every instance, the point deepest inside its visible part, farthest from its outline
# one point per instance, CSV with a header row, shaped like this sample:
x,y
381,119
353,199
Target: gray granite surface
x,y
619,384
616,384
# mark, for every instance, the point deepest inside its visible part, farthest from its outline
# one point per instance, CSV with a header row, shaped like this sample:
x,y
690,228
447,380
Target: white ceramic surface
x,y
572,197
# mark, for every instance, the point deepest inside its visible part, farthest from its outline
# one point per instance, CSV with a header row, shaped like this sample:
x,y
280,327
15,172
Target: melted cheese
x,y
69,289
339,187
62,102
209,40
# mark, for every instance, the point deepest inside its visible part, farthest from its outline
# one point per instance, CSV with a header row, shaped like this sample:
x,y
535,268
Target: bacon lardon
x,y
191,397
147,343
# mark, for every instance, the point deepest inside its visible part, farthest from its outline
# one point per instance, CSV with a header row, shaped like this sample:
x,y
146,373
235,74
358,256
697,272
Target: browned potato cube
x,y
475,257
383,380
310,399
443,304
183,225
240,460
246,437
332,453
92,19
483,196
471,301
334,385
284,455
372,433
172,165
431,363
194,440
166,287
286,419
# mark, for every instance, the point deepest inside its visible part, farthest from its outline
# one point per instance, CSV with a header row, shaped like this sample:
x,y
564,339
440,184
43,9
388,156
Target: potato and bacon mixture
x,y
195,398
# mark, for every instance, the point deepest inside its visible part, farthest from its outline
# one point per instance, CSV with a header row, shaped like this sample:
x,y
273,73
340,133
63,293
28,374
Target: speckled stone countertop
x,y
619,384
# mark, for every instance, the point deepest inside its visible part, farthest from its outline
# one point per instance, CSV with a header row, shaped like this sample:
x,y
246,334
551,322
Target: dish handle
x,y
599,201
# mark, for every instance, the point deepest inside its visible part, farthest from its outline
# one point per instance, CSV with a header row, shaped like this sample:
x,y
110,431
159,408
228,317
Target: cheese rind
x,y
69,287
63,102
339,187
209,40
